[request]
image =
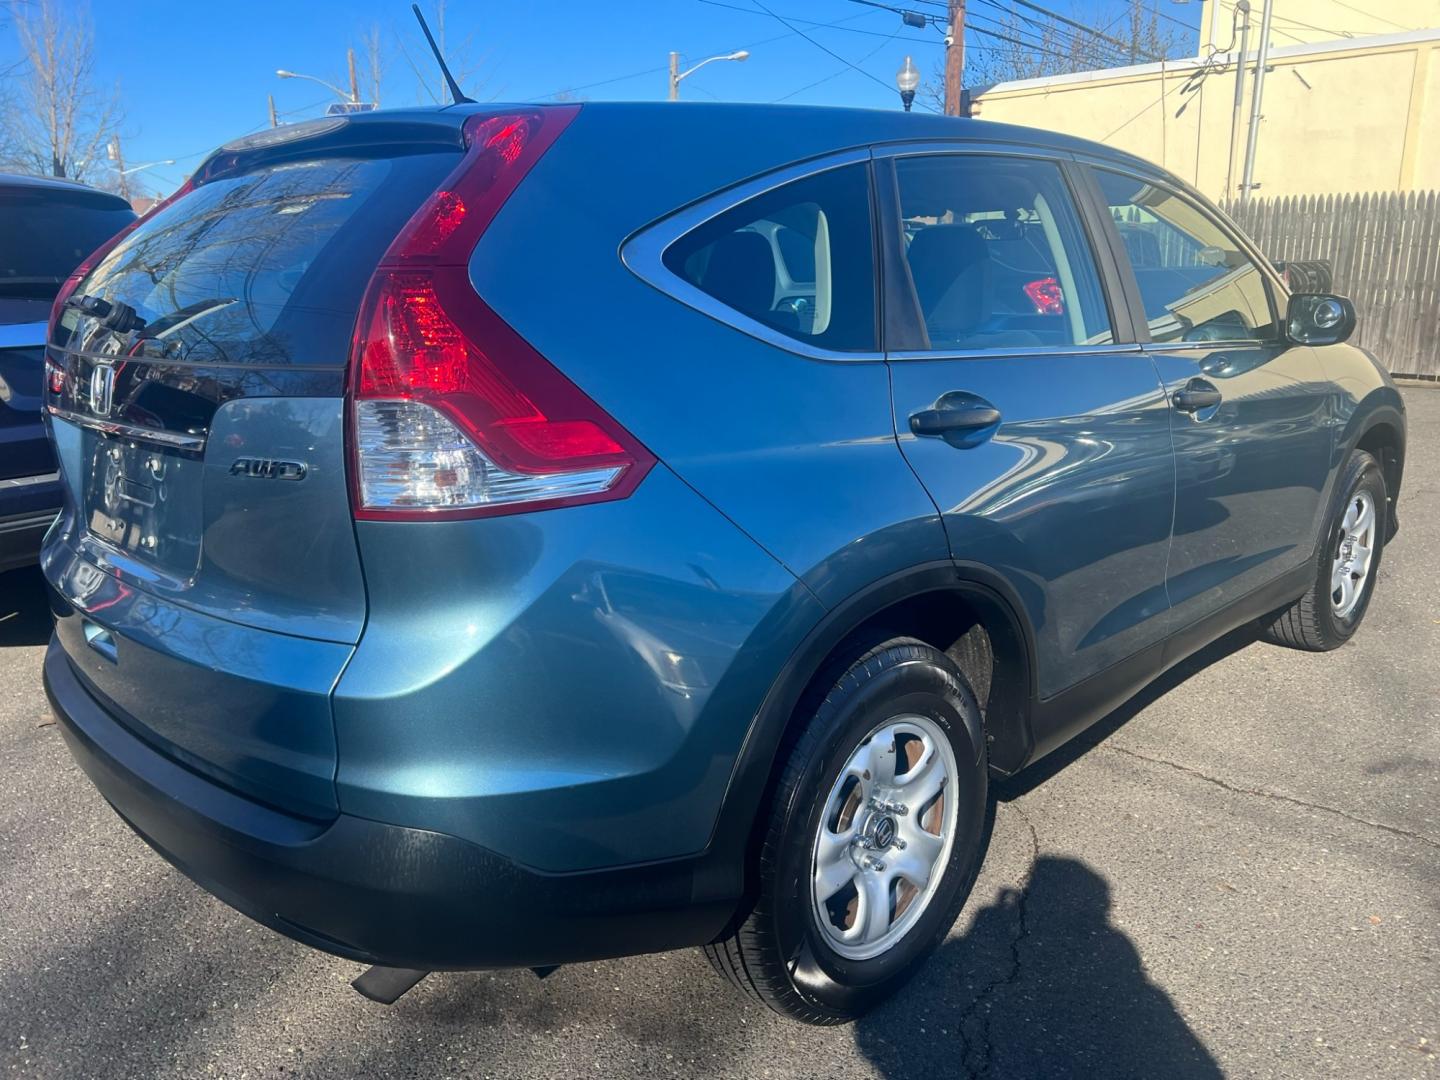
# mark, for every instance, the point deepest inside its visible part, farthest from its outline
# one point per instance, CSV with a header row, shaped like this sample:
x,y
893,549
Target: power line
x,y
1274,29
1055,15
822,48
1034,46
833,26
1362,11
656,70
1023,42
1158,101
835,74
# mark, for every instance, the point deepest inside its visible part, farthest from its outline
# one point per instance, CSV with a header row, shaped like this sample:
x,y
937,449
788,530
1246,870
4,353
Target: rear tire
x,y
873,839
1346,565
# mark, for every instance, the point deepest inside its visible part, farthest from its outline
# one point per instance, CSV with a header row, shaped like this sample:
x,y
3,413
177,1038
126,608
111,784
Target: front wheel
x,y
1329,613
873,842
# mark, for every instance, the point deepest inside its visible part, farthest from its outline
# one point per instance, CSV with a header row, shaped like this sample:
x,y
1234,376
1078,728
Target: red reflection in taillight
x,y
1046,295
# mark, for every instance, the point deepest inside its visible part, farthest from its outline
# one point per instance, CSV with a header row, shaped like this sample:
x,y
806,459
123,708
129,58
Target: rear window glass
x,y
797,258
46,234
266,268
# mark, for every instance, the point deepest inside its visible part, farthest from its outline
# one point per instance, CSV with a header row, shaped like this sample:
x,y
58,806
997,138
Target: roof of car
x,y
58,184
855,126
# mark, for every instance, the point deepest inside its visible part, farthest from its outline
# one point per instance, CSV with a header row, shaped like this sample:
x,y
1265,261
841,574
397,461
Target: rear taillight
x,y
1046,295
453,414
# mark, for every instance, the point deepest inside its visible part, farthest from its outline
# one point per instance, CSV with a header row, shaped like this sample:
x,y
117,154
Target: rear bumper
x,y
370,891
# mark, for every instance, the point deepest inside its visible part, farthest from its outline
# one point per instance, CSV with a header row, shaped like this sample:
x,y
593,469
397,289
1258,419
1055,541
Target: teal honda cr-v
x,y
503,536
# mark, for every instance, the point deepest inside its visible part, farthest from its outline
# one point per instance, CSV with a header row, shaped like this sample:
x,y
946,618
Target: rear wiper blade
x,y
113,315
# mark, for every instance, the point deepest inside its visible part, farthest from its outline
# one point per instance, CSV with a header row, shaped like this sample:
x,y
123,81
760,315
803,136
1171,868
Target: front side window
x,y
1195,283
797,259
997,254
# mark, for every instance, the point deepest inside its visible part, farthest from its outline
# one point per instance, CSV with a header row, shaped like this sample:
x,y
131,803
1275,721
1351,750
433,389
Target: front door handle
x,y
939,423
1195,396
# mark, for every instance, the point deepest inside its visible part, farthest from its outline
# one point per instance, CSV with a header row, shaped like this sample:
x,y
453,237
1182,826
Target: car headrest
x,y
952,272
741,271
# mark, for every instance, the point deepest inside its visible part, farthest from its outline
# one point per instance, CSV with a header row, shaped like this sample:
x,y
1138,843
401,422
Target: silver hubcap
x,y
1353,553
885,837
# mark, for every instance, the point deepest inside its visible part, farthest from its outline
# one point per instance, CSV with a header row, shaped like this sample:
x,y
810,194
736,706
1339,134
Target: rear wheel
x,y
1331,610
873,839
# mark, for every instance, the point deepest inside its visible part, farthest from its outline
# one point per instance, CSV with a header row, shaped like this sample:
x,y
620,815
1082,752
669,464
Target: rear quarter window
x,y
266,268
798,259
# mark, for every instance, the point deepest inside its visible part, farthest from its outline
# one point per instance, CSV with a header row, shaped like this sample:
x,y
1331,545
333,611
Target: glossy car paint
x,y
580,701
232,603
1081,434
598,691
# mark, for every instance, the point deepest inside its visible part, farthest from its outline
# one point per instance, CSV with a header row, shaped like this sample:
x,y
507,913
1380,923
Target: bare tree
x,y
430,84
372,58
1030,46
56,118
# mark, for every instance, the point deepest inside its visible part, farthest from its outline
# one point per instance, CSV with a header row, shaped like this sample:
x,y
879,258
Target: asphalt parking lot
x,y
1237,874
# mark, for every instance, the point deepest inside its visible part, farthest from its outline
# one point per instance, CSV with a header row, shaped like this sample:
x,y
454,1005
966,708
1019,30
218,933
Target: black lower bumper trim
x,y
20,538
373,892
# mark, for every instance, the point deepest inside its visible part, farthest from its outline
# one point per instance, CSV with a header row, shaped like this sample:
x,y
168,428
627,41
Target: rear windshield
x,y
45,234
265,268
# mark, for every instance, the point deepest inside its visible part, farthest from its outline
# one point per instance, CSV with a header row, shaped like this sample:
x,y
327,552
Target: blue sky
x,y
193,75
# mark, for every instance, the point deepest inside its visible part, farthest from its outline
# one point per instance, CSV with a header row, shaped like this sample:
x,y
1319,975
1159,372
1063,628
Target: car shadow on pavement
x,y
1042,985
1031,778
24,610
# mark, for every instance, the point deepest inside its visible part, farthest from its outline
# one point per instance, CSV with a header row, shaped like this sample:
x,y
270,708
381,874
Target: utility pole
x,y
1243,8
274,120
1262,55
674,76
354,86
955,58
119,159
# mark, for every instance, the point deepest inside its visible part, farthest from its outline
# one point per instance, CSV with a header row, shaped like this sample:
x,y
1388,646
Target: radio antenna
x,y
455,94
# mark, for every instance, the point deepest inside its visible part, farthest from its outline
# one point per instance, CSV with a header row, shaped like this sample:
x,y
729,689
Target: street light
x,y
907,79
341,94
676,74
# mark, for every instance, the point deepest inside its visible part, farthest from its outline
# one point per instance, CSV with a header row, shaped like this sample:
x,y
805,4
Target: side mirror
x,y
1319,319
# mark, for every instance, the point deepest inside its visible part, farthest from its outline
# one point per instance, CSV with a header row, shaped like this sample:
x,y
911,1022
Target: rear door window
x,y
1195,282
997,254
799,259
45,233
266,268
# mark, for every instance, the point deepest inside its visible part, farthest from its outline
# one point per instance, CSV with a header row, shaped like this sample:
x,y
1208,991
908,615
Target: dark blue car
x,y
46,228
511,536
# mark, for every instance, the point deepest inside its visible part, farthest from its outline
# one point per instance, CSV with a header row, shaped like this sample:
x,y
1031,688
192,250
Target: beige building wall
x,y
1343,115
1300,22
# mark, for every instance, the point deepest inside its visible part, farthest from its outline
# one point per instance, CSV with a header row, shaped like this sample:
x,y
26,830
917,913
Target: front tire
x,y
874,838
1332,608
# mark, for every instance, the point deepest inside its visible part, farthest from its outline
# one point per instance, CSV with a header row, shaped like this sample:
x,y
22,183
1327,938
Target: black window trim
x,y
906,331
1274,291
643,254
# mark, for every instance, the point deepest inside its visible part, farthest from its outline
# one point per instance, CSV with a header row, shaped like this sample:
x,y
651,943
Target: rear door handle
x,y
1195,396
939,423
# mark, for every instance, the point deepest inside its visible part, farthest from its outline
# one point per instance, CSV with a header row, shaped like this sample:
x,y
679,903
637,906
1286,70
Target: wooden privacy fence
x,y
1381,250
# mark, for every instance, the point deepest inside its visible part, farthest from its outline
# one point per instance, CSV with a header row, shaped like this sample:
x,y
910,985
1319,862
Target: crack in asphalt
x,y
986,1047
1272,795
